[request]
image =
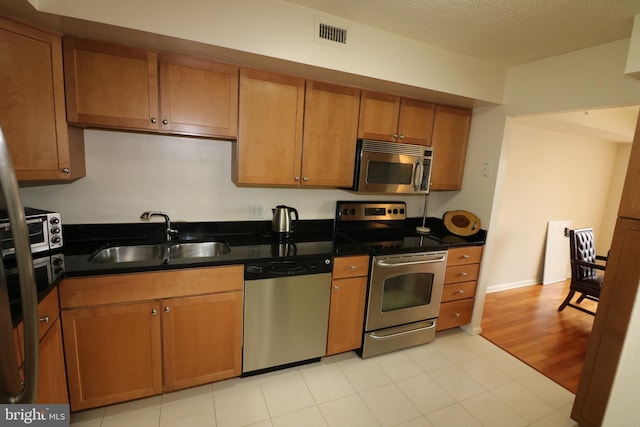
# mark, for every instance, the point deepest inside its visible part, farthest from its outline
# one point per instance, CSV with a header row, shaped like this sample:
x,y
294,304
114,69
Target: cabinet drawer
x,y
456,291
353,266
464,255
456,313
461,273
48,312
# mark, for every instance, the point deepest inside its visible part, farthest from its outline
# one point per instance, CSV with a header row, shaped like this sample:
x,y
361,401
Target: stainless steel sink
x,y
160,252
198,250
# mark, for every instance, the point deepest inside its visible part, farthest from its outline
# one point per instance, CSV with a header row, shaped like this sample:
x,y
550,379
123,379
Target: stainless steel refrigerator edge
x,y
11,388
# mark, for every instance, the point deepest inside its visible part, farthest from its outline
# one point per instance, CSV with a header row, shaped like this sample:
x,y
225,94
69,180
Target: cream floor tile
x,y
480,345
560,418
239,402
349,411
417,422
308,417
456,382
364,374
88,418
265,423
139,413
427,357
520,400
397,365
190,407
453,416
508,364
484,373
285,392
454,347
425,393
327,382
491,412
547,390
389,405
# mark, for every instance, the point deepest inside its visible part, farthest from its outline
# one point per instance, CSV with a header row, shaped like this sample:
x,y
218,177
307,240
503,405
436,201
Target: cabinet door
x,y
198,97
269,146
415,124
52,378
32,106
330,132
202,339
455,313
346,314
449,142
630,201
112,353
378,116
110,86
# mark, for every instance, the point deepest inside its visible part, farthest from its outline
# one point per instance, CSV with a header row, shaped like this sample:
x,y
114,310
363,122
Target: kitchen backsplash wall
x,y
189,178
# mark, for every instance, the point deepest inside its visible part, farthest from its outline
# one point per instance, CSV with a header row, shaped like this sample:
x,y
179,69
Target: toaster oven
x,y
44,228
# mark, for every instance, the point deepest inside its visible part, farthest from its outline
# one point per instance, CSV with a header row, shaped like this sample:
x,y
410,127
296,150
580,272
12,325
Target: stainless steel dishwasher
x,y
286,313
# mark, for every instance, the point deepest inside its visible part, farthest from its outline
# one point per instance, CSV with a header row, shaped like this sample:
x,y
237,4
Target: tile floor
x,y
457,380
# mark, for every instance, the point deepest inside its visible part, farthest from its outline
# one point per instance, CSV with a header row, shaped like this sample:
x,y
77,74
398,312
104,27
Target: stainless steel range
x,y
406,277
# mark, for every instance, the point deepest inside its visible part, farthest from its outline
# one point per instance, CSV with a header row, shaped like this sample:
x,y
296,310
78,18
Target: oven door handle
x,y
402,264
397,334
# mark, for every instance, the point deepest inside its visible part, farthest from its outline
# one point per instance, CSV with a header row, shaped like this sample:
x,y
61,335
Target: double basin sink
x,y
160,252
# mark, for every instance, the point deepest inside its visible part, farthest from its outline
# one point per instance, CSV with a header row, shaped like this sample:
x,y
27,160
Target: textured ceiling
x,y
509,32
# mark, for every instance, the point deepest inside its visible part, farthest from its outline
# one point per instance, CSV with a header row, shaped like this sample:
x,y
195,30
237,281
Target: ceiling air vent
x,y
331,33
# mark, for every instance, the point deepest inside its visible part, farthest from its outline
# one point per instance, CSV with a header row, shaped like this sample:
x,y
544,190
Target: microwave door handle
x,y
417,176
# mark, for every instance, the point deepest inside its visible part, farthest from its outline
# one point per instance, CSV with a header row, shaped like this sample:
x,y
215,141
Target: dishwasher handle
x,y
383,263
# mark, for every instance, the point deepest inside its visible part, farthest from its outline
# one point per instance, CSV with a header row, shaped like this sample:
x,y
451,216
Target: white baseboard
x,y
514,285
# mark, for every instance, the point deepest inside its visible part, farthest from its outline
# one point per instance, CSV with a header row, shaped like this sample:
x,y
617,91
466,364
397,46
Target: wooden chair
x,y
584,270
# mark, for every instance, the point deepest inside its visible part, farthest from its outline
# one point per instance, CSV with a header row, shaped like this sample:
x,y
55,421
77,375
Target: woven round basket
x,y
461,223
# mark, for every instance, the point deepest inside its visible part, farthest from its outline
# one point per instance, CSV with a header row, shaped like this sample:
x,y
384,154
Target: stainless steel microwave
x,y
391,167
44,228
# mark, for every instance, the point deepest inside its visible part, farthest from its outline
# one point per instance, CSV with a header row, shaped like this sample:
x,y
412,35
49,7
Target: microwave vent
x,y
331,33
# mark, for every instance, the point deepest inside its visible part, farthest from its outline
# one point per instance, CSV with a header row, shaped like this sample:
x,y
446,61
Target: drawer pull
x,y
461,291
154,312
457,314
336,287
44,319
353,268
167,309
463,274
466,256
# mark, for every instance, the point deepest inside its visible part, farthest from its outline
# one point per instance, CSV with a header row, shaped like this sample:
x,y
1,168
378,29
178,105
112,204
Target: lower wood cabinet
x,y
134,335
348,297
460,280
52,378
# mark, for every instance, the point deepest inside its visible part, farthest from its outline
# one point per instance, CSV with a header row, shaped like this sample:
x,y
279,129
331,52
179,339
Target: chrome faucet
x,y
146,216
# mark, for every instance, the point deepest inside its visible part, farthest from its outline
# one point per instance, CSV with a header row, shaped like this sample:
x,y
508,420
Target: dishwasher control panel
x,y
267,269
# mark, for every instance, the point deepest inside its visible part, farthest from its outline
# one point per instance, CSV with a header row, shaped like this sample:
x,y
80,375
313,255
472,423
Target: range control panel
x,y
370,211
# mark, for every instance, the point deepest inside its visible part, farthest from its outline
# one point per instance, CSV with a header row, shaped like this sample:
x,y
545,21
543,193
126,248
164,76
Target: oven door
x,y
405,288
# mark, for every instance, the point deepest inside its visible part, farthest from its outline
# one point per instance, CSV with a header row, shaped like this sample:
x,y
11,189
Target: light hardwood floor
x,y
526,323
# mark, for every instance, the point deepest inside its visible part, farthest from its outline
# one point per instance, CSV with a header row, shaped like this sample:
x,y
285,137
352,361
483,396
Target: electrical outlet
x,y
486,169
255,211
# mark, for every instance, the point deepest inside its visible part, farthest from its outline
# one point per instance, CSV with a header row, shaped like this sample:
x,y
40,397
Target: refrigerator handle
x,y
28,294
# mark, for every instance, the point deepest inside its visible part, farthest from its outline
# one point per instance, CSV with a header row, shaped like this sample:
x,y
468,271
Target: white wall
x,y
549,176
189,178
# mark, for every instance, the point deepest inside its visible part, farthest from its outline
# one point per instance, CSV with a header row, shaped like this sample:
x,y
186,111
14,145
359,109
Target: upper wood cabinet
x,y
450,136
269,146
630,201
120,87
385,117
32,106
330,133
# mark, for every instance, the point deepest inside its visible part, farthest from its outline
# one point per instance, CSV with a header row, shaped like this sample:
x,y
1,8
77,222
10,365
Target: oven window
x,y
389,173
406,291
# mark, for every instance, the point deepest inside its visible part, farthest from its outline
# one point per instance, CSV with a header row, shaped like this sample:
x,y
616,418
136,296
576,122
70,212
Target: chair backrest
x,y
582,247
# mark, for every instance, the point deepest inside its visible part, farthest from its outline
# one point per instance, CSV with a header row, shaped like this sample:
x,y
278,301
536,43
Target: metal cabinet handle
x,y
44,319
353,268
401,136
336,287
154,312
463,274
165,121
466,256
167,309
153,120
66,170
297,178
395,135
457,314
460,291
